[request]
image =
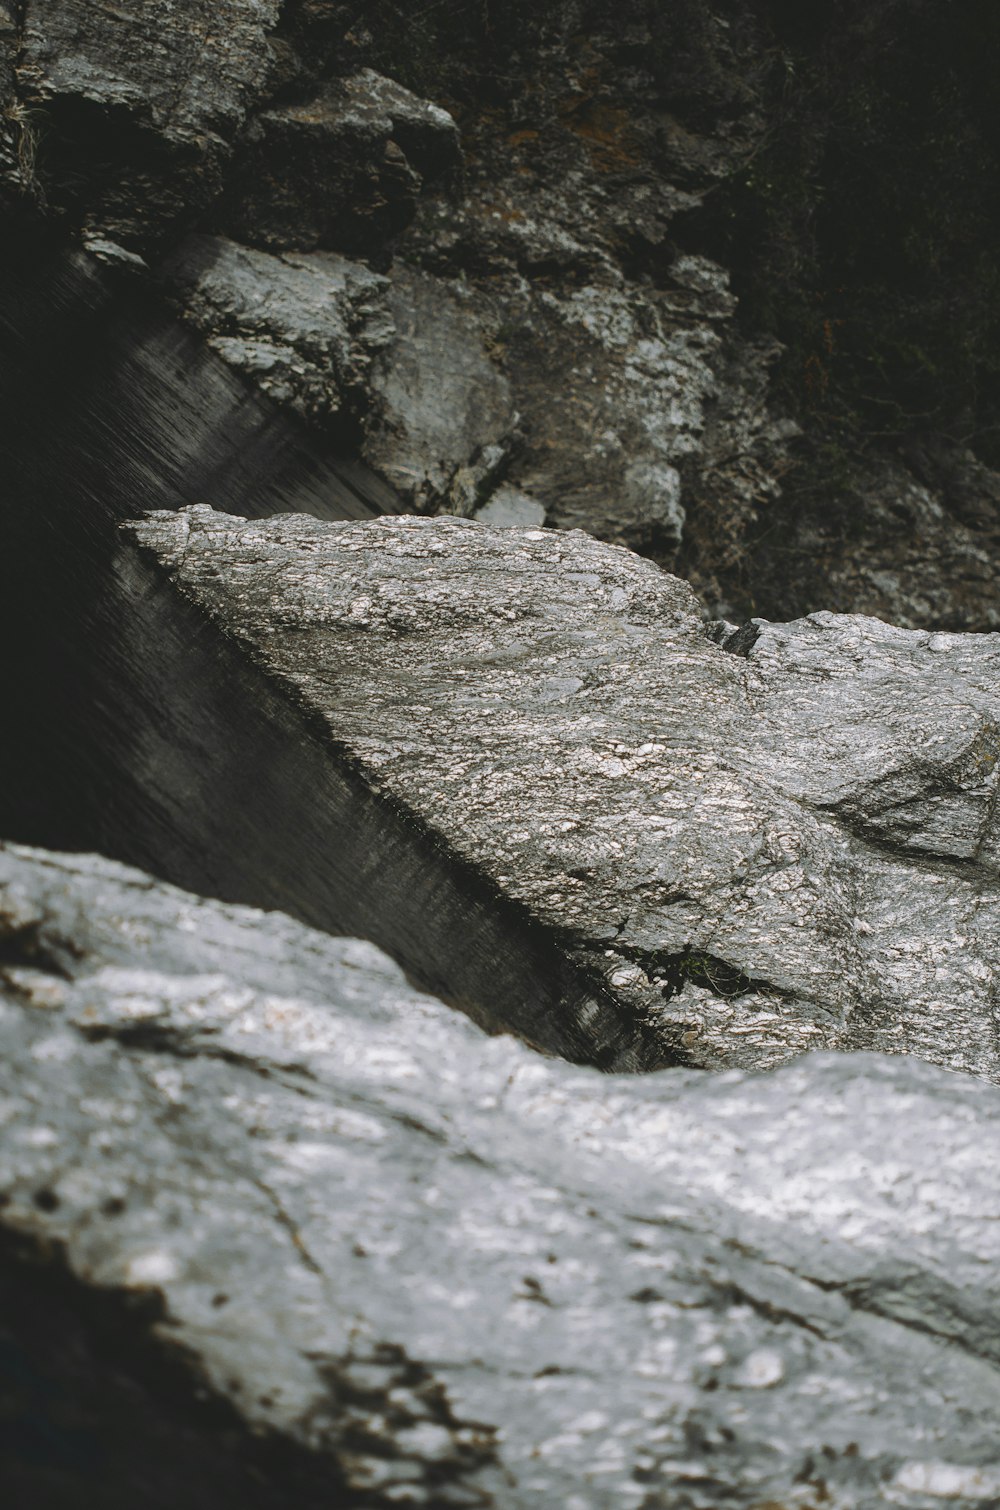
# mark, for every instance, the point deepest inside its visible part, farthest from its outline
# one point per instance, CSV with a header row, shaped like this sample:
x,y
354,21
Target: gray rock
x,y
458,1274
509,506
304,328
342,169
142,101
921,549
746,855
442,416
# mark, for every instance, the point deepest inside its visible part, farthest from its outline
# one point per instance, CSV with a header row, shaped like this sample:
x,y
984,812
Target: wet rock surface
x,y
444,1271
753,854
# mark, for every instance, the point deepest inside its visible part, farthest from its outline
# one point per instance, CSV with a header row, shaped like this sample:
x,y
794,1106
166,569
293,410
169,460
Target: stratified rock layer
x,y
745,855
446,1272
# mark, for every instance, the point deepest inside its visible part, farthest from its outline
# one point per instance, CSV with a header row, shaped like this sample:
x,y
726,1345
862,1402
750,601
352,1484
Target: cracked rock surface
x,y
752,854
454,1273
304,327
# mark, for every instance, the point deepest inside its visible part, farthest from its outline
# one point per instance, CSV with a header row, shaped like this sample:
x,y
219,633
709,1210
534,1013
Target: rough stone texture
x,y
757,853
633,392
573,243
304,327
342,169
11,126
509,506
142,100
459,1274
442,415
913,540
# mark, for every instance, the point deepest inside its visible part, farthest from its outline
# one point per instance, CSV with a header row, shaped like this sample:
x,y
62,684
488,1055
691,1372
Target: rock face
x,y
305,328
401,1264
142,100
110,407
750,854
341,169
570,224
442,419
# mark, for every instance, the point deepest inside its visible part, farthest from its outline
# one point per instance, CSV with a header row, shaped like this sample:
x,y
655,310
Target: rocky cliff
x,y
371,380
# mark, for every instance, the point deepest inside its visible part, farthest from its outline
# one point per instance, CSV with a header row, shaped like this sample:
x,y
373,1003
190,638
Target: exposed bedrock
x,y
516,760
274,1224
608,235
341,168
138,104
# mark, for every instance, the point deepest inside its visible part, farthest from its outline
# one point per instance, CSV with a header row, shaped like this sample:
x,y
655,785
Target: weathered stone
x,y
304,328
342,169
913,540
509,506
748,855
631,394
450,1271
142,101
111,407
442,416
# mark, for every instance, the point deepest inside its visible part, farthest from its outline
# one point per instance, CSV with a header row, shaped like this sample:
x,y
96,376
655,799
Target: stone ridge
x,y
463,1275
759,854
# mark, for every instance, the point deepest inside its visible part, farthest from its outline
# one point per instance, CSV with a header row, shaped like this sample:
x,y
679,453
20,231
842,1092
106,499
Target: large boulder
x,y
733,851
276,1226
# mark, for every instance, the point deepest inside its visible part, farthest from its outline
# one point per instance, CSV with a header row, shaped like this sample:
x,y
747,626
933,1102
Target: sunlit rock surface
x,y
747,854
444,1271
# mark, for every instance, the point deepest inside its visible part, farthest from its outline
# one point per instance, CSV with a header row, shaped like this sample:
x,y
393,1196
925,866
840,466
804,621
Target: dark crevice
x,y
29,946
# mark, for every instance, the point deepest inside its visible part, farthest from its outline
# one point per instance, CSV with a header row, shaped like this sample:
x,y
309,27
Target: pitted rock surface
x,y
788,849
465,1275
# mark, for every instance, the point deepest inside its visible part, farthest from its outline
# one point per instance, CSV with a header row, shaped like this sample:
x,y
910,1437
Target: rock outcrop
x,y
566,224
279,1225
341,169
304,327
378,1259
140,103
787,843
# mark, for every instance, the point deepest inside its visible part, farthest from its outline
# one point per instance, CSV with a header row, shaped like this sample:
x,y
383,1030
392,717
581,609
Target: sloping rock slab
x,y
750,855
446,1272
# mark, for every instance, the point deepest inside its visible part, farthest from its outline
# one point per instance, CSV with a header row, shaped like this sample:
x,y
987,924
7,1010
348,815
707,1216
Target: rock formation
x,y
345,360
387,1261
790,846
